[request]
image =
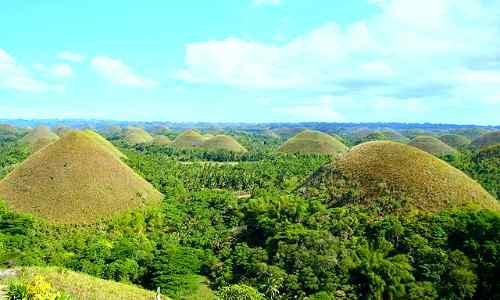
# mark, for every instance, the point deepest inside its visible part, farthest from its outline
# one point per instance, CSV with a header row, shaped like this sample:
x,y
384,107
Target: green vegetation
x,y
39,137
377,169
223,142
486,140
432,145
136,135
455,140
75,180
189,139
61,284
313,142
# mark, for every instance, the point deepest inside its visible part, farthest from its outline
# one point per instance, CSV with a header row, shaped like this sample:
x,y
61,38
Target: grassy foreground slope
x,y
380,168
313,142
75,180
432,145
223,142
81,286
486,140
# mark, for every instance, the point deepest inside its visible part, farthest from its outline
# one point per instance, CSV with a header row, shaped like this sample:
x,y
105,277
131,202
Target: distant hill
x,y
189,139
136,135
39,137
78,179
432,145
455,140
486,140
161,140
313,142
223,142
377,168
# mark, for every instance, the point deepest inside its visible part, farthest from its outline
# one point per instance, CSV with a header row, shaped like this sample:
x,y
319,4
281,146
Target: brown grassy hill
x,y
486,140
39,137
223,142
313,142
75,180
161,140
189,139
376,168
136,135
104,142
455,140
432,145
60,130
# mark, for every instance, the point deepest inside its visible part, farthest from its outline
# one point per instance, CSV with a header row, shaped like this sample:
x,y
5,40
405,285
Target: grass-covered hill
x,y
381,168
432,145
78,179
486,140
39,137
385,135
161,140
50,281
136,135
313,142
455,140
223,142
60,130
189,139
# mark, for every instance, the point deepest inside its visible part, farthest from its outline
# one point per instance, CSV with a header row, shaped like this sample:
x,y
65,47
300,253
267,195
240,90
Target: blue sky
x,y
252,60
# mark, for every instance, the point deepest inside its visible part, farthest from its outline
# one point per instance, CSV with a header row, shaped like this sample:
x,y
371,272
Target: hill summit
x,y
313,142
223,142
78,179
379,168
136,135
432,145
39,137
189,139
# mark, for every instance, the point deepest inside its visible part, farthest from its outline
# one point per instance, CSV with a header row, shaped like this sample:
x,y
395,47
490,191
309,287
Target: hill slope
x,y
455,140
161,140
375,168
313,142
75,180
223,142
39,137
486,140
432,145
189,139
83,286
136,135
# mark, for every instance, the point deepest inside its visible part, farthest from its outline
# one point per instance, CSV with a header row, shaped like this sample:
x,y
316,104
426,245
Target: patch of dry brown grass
x,y
136,135
223,142
76,180
39,137
189,139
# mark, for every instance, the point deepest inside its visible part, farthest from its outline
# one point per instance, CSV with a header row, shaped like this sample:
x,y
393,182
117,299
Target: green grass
x,y
313,142
487,140
432,145
455,140
76,180
136,135
223,142
388,168
84,287
39,137
189,139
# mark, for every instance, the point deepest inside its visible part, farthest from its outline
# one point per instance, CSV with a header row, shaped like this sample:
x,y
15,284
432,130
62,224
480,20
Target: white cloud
x,y
119,73
408,52
62,70
71,56
16,77
266,2
319,110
